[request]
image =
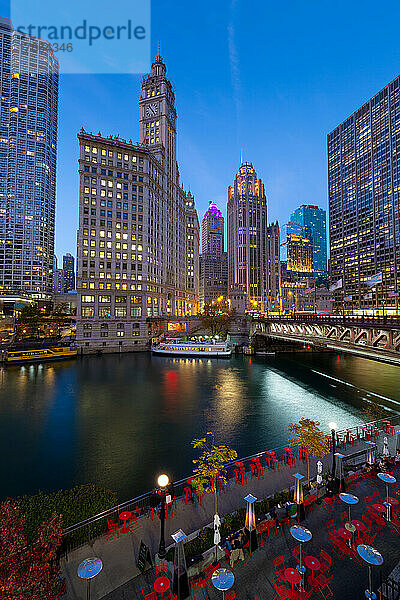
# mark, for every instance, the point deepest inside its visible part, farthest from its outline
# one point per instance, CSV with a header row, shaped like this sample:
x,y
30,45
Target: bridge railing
x,y
390,322
85,531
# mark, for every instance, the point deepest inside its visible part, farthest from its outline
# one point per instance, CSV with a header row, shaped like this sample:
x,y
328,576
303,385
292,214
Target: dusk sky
x,y
273,79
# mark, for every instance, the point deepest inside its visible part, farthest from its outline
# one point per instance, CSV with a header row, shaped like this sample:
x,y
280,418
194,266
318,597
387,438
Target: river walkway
x,y
119,554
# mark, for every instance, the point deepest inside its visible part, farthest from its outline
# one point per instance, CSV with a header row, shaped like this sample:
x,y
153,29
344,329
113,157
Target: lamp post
x,y
162,481
333,426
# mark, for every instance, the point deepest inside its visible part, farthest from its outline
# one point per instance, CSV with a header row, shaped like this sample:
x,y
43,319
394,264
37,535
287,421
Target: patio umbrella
x,y
385,451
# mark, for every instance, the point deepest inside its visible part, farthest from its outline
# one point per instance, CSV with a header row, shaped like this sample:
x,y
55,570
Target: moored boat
x,y
40,355
209,349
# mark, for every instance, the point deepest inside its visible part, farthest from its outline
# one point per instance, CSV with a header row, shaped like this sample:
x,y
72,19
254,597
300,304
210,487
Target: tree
x,y
29,571
308,434
211,465
31,318
217,316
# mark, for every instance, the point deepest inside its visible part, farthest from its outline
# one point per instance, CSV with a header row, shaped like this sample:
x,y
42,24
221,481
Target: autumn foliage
x,y
308,434
29,571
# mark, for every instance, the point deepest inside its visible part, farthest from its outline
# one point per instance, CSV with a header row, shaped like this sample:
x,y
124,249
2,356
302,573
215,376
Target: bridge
x,y
372,337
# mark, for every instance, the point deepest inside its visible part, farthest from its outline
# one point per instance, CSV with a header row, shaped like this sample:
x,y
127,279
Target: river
x,y
119,420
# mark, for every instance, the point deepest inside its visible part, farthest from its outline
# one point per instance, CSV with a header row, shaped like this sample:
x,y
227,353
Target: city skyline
x,y
277,106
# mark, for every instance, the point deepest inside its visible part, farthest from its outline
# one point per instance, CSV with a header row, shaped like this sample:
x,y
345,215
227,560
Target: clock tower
x,y
157,121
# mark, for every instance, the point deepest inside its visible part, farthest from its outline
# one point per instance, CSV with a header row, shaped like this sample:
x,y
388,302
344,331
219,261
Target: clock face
x,y
152,109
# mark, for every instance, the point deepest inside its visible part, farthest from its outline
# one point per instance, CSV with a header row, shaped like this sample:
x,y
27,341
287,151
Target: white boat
x,y
209,349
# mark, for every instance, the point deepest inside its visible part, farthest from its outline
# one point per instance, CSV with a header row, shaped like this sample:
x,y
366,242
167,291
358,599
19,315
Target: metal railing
x,y
85,531
389,322
389,589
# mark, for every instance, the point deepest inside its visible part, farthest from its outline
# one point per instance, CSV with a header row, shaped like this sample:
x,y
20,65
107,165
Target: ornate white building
x,y
138,237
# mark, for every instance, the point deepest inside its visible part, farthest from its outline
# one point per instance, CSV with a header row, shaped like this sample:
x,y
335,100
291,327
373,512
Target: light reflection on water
x,y
119,420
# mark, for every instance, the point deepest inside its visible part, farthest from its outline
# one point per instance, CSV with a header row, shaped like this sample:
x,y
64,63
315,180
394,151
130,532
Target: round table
x,y
223,579
255,459
312,563
393,501
239,464
301,534
372,557
292,575
387,479
349,499
161,585
379,508
191,480
89,568
124,516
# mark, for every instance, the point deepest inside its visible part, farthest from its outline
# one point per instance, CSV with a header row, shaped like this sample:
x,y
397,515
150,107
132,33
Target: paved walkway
x,y
119,555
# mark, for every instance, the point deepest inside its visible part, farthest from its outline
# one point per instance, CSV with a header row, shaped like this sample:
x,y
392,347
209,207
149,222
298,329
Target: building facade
x,y
313,219
296,252
213,261
28,149
364,194
274,269
247,238
68,272
138,238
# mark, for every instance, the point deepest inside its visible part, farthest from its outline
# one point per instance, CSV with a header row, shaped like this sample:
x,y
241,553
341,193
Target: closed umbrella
x,y
385,451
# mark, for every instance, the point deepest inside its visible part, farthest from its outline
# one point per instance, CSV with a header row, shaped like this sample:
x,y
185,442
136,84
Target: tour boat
x,y
40,355
209,349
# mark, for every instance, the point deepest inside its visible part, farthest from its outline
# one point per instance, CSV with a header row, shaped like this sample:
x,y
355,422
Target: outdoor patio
x,y
120,578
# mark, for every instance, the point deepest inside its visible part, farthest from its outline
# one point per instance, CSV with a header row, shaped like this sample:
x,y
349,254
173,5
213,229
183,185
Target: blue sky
x,y
273,79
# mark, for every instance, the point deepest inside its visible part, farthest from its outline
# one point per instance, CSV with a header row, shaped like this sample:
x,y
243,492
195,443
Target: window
x,y
120,311
87,311
105,312
136,311
87,298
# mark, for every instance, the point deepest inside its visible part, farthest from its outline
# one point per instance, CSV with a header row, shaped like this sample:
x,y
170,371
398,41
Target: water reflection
x,y
120,420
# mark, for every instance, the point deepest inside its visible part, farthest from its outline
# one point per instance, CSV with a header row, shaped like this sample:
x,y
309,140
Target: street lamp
x,y
162,482
333,426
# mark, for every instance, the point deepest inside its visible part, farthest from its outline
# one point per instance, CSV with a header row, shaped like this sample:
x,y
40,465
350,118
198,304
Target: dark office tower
x,y
28,145
274,268
247,237
213,261
213,231
69,272
364,192
313,219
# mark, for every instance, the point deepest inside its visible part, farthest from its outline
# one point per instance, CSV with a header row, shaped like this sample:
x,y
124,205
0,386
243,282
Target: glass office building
x,y
28,146
313,219
364,192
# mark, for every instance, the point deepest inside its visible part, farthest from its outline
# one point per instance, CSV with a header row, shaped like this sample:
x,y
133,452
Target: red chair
x,y
161,568
327,503
113,529
227,556
282,591
296,553
279,565
197,584
187,492
330,525
260,529
325,560
208,571
344,517
376,495
260,471
367,500
230,595
323,585
246,546
151,596
271,525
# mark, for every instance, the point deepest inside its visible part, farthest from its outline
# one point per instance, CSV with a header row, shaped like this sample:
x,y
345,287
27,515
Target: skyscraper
x,y
274,268
296,252
313,219
364,193
247,237
212,228
138,238
213,261
69,272
28,146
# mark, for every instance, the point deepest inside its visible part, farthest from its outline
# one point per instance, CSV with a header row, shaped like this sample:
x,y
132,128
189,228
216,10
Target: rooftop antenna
x,y
241,156
159,48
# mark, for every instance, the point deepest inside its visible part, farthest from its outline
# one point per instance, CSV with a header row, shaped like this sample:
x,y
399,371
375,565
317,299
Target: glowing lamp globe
x,y
163,481
332,425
